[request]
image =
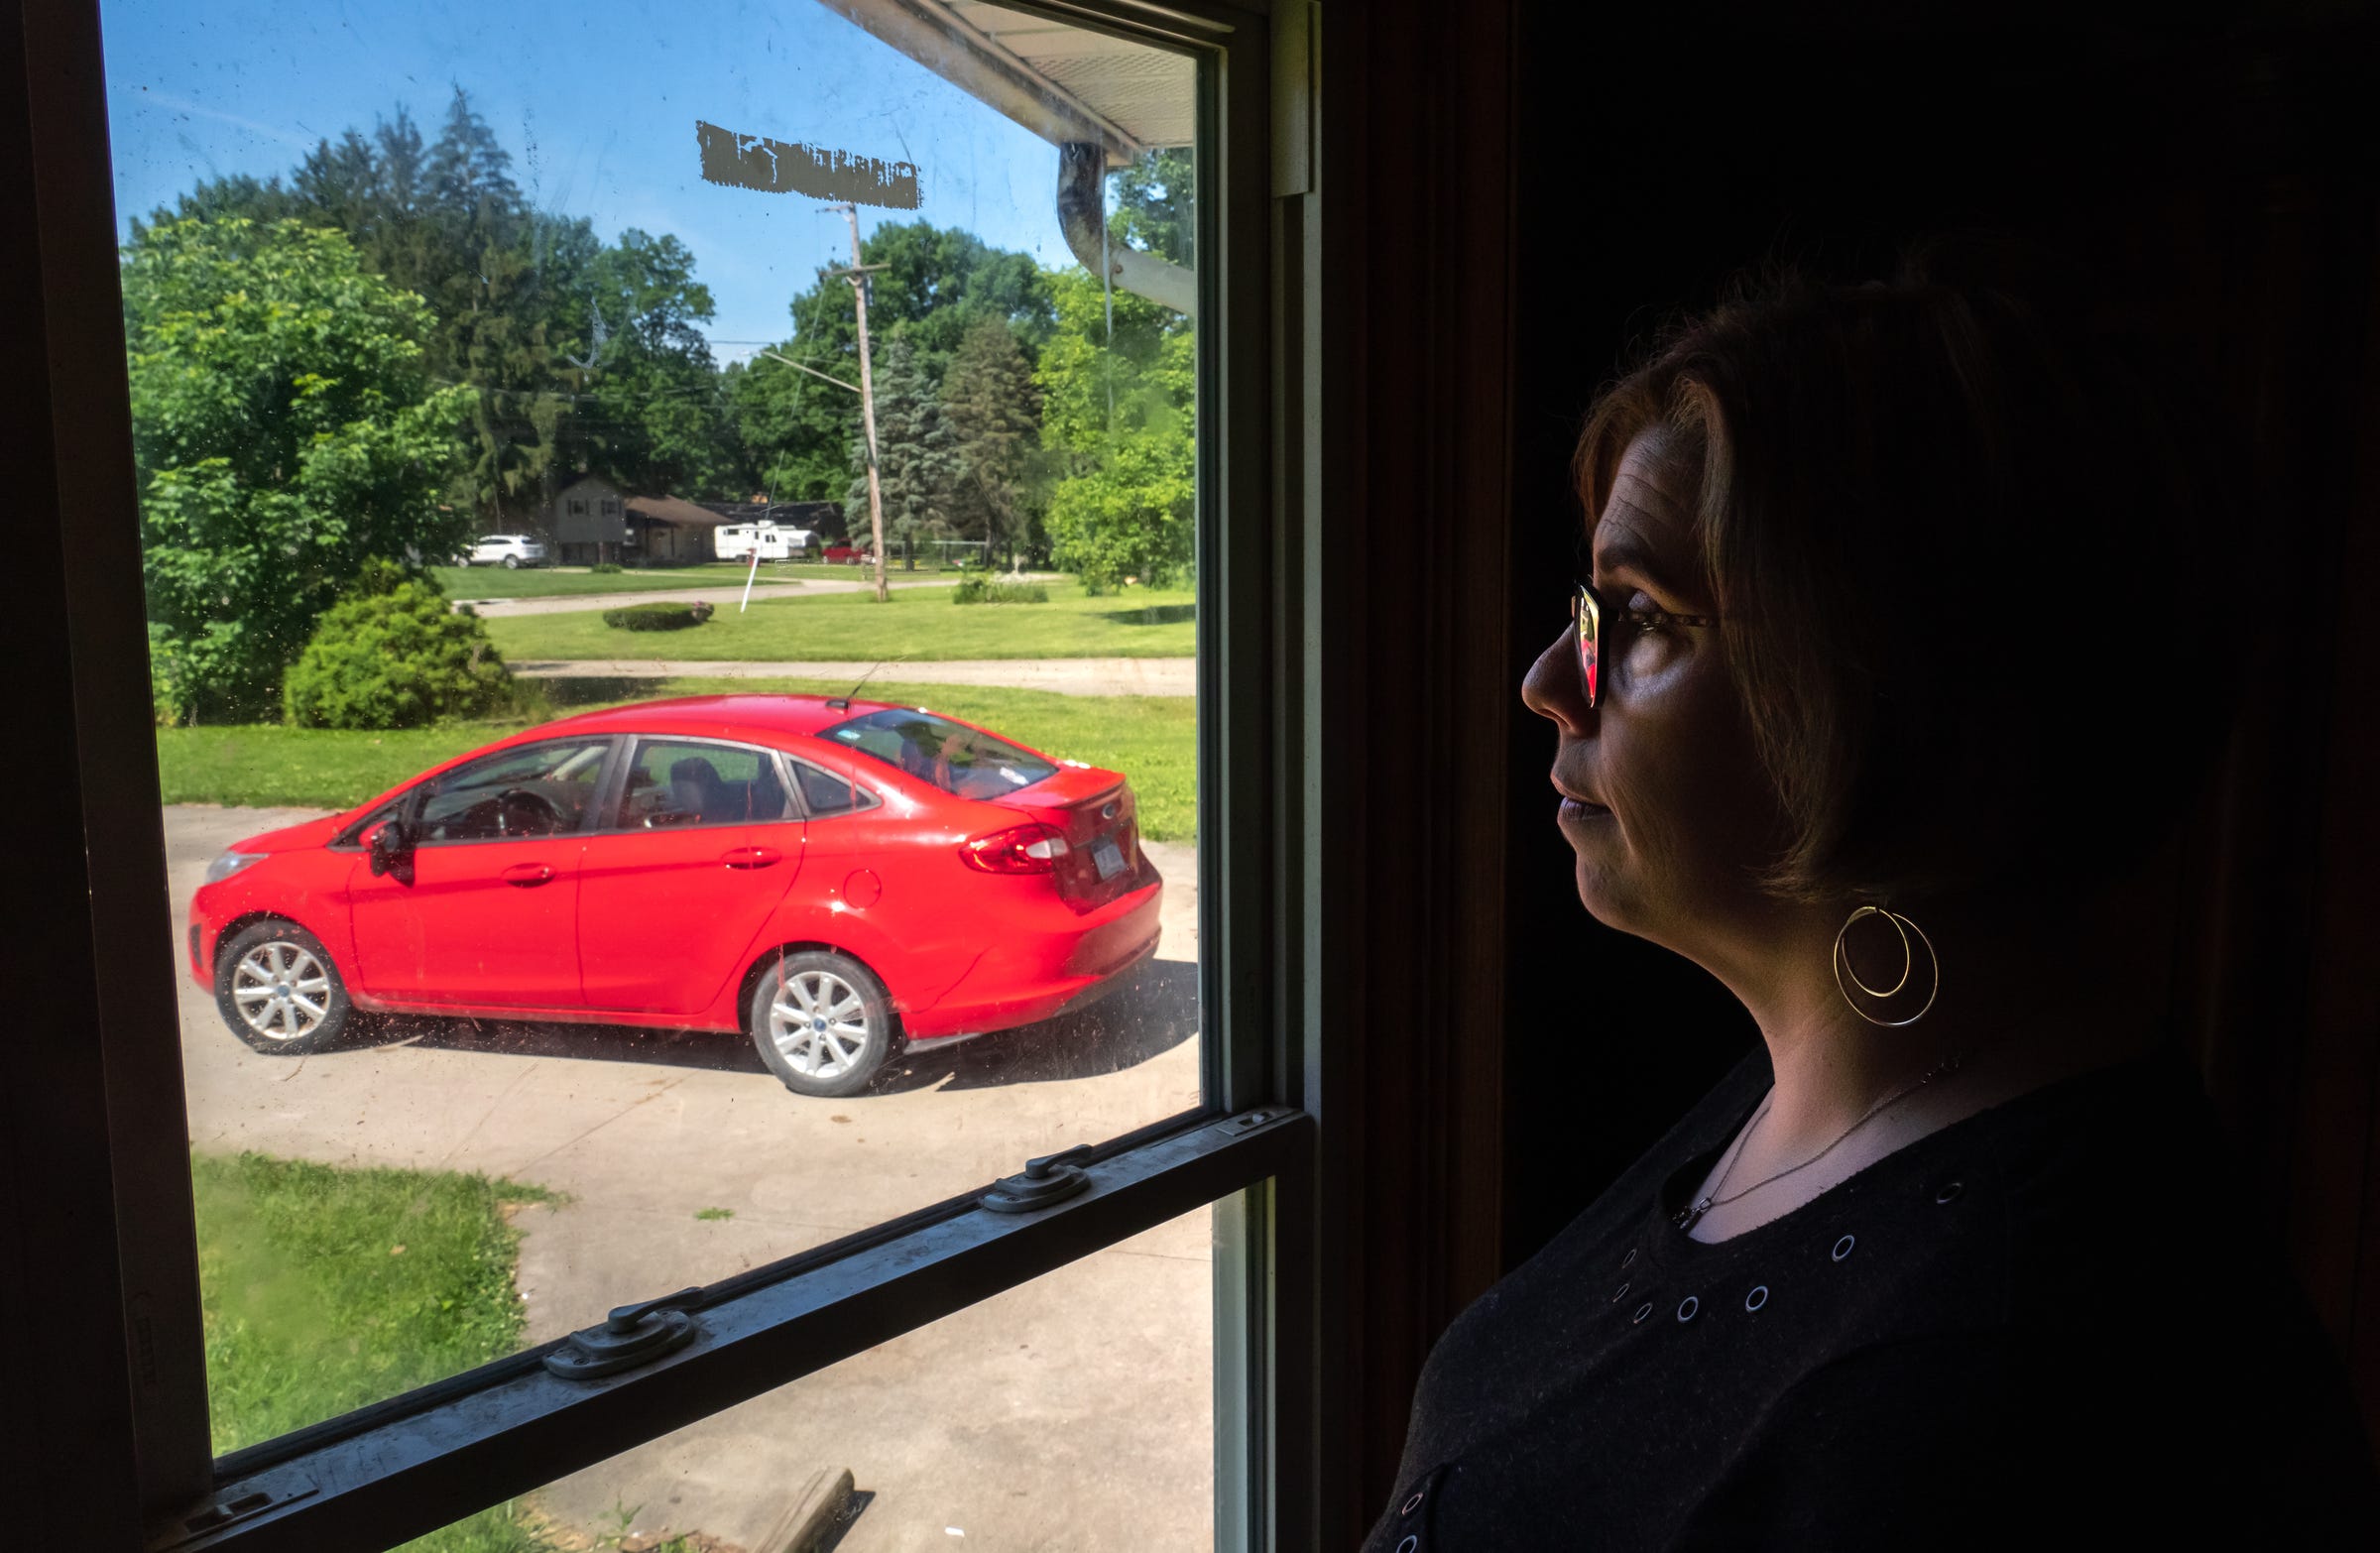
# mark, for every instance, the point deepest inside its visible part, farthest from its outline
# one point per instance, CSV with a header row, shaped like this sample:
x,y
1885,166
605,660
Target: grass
x,y
1154,740
546,583
918,624
324,1289
267,766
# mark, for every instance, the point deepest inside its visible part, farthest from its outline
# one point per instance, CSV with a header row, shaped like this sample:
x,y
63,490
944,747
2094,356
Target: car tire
x,y
278,990
512,563
803,1021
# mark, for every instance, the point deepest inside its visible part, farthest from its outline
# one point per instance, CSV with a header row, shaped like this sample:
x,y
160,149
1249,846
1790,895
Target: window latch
x,y
1053,1178
630,1335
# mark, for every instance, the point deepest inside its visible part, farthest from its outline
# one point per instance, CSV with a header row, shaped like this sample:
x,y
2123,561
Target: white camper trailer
x,y
739,542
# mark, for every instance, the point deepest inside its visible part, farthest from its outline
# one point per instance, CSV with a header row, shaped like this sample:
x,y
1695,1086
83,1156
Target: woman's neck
x,y
2017,1008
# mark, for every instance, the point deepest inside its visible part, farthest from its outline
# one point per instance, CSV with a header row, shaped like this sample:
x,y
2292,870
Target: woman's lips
x,y
1576,809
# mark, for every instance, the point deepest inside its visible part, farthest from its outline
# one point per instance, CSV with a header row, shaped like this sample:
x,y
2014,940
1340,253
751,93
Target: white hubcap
x,y
819,1024
281,991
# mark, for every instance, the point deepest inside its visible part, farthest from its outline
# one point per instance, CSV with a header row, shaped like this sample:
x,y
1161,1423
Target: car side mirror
x,y
391,848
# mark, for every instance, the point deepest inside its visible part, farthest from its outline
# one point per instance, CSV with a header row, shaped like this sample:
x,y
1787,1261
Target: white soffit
x,y
1064,83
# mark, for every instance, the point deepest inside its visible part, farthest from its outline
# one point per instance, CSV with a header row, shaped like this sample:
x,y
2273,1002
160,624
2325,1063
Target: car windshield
x,y
965,762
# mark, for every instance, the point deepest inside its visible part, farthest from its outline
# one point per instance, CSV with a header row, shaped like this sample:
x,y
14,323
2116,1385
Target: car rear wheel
x,y
512,563
278,990
822,1023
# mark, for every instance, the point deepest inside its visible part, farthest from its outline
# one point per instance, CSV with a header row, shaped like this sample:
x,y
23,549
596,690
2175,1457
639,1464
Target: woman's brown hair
x,y
1962,549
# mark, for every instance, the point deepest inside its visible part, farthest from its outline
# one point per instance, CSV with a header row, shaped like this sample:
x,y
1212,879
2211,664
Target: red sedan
x,y
838,879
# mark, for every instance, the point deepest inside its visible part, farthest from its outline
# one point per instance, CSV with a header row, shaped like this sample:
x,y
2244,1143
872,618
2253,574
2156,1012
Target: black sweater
x,y
2047,1325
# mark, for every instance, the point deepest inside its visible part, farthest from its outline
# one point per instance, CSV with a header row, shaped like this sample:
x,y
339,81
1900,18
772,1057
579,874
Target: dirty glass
x,y
617,404
1069,1414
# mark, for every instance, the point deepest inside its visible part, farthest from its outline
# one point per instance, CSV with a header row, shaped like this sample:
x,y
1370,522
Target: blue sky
x,y
596,101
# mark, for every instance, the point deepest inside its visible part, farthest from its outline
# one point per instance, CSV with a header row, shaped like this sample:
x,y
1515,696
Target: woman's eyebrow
x,y
1632,554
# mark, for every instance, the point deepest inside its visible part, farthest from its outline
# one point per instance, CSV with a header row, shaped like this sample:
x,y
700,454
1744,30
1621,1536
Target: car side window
x,y
828,793
675,784
538,790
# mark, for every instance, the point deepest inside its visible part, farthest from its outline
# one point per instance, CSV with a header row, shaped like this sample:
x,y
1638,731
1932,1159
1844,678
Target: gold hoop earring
x,y
1902,927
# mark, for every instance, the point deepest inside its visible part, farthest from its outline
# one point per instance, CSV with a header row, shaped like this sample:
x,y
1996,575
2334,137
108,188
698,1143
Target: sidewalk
x,y
1065,675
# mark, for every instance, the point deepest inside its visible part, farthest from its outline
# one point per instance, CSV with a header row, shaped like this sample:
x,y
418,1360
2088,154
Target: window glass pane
x,y
672,784
965,762
670,565
543,789
1073,1413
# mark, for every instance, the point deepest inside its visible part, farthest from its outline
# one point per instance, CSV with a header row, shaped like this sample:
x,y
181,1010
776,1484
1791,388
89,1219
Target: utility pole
x,y
858,275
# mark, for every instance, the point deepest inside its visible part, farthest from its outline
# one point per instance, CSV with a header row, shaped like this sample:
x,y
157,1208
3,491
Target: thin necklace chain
x,y
1687,1218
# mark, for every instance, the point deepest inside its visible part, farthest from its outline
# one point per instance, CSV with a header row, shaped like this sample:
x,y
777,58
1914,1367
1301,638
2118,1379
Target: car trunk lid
x,y
1097,814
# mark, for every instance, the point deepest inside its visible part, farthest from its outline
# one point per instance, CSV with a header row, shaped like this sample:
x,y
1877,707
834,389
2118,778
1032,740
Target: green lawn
x,y
921,624
267,765
1154,740
541,582
324,1289
544,582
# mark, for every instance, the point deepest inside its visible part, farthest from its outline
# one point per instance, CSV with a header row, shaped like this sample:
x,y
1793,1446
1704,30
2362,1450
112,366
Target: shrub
x,y
657,616
605,568
981,587
391,654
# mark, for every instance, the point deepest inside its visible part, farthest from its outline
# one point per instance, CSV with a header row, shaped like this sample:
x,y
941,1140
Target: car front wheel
x,y
512,563
278,990
822,1023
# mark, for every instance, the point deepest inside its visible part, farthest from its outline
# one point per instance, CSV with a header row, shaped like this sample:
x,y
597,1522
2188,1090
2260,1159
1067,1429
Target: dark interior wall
x,y
2214,184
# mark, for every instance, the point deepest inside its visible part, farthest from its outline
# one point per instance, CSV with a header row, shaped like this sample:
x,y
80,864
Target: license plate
x,y
1107,858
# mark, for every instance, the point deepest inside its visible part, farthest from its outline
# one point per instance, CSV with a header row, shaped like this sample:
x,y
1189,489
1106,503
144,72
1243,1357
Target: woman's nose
x,y
1552,688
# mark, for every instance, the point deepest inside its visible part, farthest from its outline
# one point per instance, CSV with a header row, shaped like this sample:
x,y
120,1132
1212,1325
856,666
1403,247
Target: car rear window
x,y
962,760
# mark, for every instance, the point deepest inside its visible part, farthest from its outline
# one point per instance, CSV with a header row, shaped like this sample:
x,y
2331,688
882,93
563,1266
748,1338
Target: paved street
x,y
1069,1414
1066,676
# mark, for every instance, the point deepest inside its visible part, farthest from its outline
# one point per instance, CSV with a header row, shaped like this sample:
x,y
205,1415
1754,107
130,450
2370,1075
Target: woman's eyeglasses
x,y
1589,613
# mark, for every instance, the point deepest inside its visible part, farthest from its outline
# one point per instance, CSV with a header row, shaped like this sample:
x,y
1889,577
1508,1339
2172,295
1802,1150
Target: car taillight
x,y
1027,848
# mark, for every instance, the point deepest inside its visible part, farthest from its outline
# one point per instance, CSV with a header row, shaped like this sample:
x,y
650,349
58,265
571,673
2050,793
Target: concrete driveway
x,y
1073,1413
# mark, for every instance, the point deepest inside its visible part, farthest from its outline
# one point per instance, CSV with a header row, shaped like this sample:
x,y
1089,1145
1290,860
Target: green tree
x,y
660,419
1118,416
509,286
993,411
1154,207
918,468
284,431
797,434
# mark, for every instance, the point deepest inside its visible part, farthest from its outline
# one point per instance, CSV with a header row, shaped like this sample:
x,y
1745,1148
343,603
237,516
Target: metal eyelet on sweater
x,y
1843,1248
1619,1294
1413,1504
1408,1545
1687,1308
1642,1311
1756,1298
1628,1260
1950,1192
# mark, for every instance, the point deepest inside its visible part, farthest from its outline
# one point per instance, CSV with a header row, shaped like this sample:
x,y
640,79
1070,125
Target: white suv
x,y
509,551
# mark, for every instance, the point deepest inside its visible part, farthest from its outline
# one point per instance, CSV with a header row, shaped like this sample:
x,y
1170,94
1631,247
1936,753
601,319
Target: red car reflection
x,y
838,879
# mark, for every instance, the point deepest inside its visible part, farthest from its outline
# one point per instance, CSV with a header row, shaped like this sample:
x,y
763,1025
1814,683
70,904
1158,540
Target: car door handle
x,y
528,875
750,856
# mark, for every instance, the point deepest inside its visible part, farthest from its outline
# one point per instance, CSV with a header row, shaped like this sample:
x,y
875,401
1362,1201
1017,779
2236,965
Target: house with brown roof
x,y
667,531
592,521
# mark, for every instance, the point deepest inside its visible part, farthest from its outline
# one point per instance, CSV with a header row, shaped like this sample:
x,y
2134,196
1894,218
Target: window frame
x,y
1242,1151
